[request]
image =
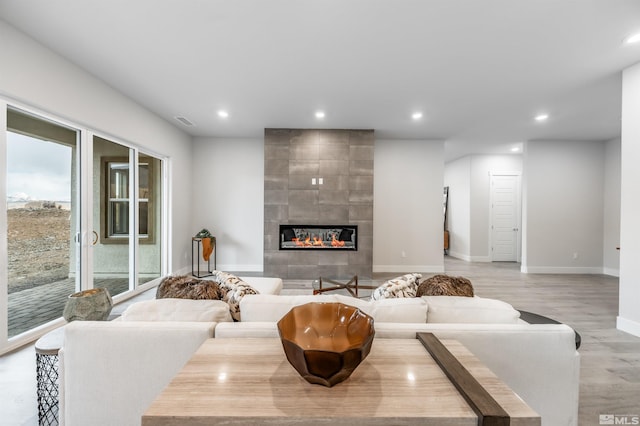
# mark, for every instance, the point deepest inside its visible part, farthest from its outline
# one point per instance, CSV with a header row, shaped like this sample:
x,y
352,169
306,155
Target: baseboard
x,y
468,258
628,326
561,269
408,268
611,271
460,256
182,271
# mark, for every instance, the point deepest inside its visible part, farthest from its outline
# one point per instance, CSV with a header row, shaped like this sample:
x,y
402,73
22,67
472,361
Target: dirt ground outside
x,y
39,240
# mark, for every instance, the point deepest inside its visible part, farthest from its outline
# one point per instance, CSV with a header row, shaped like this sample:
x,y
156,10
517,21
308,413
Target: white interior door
x,y
505,217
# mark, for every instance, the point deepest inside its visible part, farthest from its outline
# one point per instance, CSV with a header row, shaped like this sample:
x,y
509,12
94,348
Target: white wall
x,y
564,215
39,78
629,314
611,256
228,177
457,177
407,206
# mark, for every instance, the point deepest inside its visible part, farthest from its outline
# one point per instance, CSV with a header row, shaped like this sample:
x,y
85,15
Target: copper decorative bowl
x,y
325,342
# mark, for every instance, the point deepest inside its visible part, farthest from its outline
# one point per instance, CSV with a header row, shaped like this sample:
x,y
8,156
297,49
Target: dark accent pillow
x,y
345,235
188,287
445,285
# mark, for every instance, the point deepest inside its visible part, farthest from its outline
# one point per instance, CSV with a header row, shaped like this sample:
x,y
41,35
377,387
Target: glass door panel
x,y
150,218
111,215
42,219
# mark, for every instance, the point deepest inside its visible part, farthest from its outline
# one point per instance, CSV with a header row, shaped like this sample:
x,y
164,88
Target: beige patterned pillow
x,y
235,289
404,286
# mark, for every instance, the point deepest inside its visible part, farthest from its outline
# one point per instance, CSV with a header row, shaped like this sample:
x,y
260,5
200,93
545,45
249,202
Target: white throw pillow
x,y
469,310
235,289
403,286
178,310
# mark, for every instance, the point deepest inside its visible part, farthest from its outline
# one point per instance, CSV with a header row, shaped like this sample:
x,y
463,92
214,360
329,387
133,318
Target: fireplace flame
x,y
336,243
308,242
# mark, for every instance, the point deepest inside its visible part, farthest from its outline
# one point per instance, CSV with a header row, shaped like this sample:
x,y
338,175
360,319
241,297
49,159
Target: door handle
x,y
95,238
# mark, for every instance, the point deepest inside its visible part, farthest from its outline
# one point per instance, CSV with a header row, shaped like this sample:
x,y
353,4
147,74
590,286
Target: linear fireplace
x,y
319,237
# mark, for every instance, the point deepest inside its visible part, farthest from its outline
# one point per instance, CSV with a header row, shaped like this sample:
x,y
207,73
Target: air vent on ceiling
x,y
184,121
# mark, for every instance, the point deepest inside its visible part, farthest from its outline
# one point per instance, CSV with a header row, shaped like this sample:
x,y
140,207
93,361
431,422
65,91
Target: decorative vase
x,y
325,342
88,305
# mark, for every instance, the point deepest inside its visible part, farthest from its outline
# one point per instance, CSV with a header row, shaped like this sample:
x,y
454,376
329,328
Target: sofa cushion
x,y
400,310
403,309
261,307
177,310
461,309
267,307
264,285
403,286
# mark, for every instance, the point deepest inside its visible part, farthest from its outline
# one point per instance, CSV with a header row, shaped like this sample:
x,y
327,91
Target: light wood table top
x,y
250,381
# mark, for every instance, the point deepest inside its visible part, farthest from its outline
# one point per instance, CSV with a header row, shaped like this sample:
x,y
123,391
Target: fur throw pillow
x,y
188,287
404,286
444,285
235,289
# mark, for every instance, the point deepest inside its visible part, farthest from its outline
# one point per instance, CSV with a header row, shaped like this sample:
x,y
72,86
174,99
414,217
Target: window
x,y
115,226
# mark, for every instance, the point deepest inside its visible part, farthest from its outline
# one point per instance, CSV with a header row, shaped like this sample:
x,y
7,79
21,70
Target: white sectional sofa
x,y
113,370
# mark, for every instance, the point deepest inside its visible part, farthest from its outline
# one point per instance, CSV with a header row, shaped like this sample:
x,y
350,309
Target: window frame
x,y
105,218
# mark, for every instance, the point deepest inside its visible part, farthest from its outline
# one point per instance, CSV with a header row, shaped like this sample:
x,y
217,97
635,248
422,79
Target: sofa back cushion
x,y
268,307
263,307
470,310
178,310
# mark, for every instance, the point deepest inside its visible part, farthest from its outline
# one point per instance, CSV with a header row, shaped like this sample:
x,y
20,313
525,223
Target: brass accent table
x,y
244,381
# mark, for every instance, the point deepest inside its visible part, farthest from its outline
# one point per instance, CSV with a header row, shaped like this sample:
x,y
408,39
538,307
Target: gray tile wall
x,y
344,159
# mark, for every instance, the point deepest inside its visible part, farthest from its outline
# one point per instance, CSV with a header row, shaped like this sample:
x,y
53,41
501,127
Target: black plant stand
x,y
196,250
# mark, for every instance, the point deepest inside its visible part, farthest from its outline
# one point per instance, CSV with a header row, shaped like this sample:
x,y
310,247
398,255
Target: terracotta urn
x,y
88,305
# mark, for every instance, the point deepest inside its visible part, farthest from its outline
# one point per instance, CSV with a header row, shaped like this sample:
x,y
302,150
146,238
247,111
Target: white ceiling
x,y
478,70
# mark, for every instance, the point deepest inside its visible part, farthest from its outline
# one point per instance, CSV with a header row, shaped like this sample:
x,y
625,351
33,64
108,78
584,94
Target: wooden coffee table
x,y
249,381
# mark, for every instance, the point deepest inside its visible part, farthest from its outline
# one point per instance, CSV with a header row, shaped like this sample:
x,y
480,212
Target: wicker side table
x,y
47,348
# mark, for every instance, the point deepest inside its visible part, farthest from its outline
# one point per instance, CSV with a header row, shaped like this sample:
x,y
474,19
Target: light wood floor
x,y
610,359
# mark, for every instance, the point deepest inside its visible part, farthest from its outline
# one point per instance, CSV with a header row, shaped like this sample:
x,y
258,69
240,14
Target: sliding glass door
x,y
112,213
42,178
150,190
82,211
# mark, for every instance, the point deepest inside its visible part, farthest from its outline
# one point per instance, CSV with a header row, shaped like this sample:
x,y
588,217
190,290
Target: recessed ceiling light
x,y
416,115
320,114
541,117
223,114
634,38
515,149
